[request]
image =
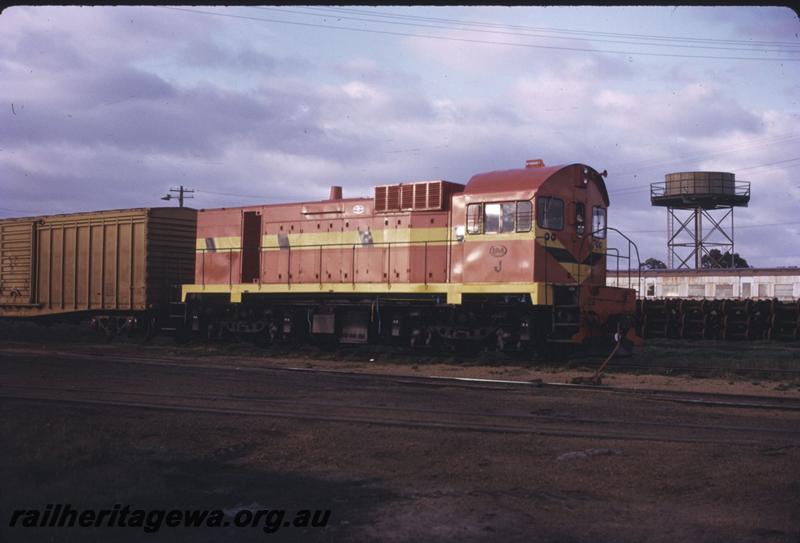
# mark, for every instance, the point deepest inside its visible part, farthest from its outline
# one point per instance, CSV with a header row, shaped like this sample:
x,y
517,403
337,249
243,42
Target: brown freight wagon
x,y
101,262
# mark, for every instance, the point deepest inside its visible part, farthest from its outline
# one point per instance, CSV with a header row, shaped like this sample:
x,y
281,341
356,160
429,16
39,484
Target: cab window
x,y
474,219
599,222
499,218
550,213
580,218
524,216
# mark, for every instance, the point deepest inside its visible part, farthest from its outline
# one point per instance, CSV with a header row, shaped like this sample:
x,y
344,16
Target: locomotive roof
x,y
524,180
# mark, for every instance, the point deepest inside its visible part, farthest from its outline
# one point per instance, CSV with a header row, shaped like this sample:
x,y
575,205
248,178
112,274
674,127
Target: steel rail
x,y
722,399
216,399
328,417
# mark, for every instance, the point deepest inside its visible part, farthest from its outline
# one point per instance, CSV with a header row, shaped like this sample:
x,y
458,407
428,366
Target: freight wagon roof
x,y
81,214
523,180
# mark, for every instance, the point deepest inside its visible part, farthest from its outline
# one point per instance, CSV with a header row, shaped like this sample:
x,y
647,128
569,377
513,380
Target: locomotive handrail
x,y
617,256
320,246
533,268
631,244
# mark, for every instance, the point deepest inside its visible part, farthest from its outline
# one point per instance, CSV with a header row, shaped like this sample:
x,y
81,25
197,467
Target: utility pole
x,y
181,191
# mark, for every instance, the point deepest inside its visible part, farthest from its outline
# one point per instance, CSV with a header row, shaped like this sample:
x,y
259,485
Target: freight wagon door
x,y
16,262
251,246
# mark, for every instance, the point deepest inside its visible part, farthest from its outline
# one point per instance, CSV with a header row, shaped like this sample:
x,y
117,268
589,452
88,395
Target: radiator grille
x,y
419,196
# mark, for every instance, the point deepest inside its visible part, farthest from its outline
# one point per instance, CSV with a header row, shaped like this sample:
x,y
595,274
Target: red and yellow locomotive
x,y
514,257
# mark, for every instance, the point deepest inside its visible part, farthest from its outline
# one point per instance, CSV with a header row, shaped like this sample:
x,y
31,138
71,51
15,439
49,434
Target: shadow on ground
x,y
52,458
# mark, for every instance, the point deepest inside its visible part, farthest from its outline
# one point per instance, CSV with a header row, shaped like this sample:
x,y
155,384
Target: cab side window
x,y
474,219
550,213
499,218
524,216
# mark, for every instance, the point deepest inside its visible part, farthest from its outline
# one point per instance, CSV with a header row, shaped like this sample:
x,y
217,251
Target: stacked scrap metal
x,y
719,319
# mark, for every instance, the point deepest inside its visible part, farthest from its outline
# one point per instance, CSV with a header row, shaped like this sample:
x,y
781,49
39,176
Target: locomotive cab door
x,y
251,246
578,219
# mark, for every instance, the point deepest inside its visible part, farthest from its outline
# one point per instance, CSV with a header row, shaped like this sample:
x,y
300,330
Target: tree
x,y
715,259
652,264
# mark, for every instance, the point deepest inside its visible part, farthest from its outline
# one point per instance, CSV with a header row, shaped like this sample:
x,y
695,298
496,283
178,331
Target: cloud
x,y
757,23
112,106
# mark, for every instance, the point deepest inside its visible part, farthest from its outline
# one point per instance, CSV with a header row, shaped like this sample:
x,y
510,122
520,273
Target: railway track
x,y
502,406
615,366
241,373
621,430
703,370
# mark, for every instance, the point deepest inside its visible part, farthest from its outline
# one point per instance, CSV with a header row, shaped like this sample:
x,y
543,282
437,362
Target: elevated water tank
x,y
708,190
700,183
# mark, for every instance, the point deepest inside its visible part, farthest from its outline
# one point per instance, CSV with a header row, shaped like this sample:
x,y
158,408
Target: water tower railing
x,y
699,187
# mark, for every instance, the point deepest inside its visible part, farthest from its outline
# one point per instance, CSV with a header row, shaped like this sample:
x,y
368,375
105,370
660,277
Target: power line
x,y
767,164
629,189
314,12
230,194
475,41
749,144
559,30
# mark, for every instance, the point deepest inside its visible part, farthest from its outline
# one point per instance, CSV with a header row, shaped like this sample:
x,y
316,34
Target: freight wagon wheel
x,y
109,330
105,327
150,329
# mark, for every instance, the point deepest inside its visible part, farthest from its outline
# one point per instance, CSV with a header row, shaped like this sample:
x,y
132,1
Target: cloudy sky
x,y
109,107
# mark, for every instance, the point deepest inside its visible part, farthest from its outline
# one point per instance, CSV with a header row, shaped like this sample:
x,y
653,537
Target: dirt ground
x,y
655,361
385,483
393,485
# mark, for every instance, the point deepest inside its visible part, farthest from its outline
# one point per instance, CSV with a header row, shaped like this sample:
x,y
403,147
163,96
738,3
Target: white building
x,y
739,283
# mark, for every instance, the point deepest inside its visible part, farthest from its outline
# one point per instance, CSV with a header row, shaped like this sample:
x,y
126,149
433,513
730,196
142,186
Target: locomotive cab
x,y
545,226
539,225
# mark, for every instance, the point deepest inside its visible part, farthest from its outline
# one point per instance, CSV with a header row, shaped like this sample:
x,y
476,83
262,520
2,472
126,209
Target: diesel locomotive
x,y
514,258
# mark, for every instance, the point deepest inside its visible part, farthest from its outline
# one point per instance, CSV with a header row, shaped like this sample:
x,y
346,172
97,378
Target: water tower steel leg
x,y
670,256
733,236
698,237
